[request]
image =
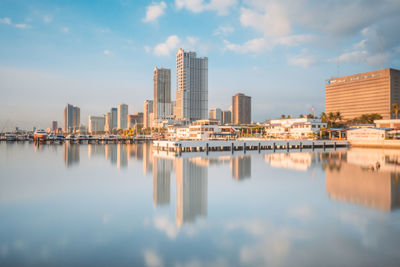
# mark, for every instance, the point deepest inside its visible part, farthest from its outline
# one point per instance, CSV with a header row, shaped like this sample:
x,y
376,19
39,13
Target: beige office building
x,y
148,109
241,109
369,92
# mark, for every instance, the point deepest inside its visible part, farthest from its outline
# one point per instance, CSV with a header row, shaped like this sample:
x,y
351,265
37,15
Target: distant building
x,y
241,109
96,124
122,116
148,109
226,117
216,114
294,128
54,126
135,119
72,118
369,92
114,119
107,122
395,124
162,106
192,86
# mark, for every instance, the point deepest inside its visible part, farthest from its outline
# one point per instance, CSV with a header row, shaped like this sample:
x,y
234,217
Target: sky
x,y
98,54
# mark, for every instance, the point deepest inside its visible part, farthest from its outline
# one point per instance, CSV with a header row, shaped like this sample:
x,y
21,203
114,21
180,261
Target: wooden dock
x,y
207,146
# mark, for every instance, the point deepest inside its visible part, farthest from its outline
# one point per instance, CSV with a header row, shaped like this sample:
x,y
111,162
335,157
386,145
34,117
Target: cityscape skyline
x,y
50,59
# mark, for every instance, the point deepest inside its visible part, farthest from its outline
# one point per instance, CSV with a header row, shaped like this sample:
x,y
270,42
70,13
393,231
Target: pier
x,y
207,146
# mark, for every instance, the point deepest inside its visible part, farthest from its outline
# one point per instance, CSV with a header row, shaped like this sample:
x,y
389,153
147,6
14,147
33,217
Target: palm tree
x,y
338,116
395,110
324,118
283,116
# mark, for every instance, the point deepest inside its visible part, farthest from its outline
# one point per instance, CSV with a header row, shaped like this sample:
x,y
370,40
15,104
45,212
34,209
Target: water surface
x,y
127,205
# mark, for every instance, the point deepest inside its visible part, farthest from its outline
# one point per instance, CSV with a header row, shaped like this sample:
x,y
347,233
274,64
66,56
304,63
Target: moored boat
x,y
40,135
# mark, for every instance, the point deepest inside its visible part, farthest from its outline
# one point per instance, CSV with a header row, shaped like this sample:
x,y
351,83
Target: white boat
x,y
11,137
40,135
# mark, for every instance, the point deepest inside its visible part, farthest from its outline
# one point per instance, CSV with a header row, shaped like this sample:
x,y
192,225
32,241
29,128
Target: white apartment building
x,y
192,86
96,124
298,128
122,116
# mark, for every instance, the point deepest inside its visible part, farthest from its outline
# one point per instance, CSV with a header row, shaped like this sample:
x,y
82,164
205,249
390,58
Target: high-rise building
x,y
216,114
96,124
54,126
114,119
241,109
226,117
107,122
122,116
192,86
162,106
369,92
135,119
72,118
148,109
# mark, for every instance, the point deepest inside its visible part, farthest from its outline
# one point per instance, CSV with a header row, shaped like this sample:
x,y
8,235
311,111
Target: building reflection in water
x,y
241,167
71,154
110,153
147,158
95,150
122,156
368,177
293,160
161,181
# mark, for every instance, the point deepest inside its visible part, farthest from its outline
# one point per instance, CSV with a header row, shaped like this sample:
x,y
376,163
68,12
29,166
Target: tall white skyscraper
x,y
192,86
162,106
147,110
96,124
122,116
72,118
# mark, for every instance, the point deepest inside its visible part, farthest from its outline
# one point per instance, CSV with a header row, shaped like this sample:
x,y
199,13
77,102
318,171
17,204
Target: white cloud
x,y
5,21
294,40
252,46
47,19
107,52
154,11
303,60
22,26
223,30
220,6
147,49
151,259
164,49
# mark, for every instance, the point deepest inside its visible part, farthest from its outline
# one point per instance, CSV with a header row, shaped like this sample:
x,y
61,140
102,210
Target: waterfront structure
x,y
162,106
54,126
122,116
216,114
72,118
395,124
135,120
107,122
369,92
226,117
147,110
96,124
192,86
241,109
294,128
114,119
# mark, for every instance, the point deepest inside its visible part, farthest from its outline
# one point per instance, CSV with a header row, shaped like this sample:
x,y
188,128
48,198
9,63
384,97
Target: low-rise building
x,y
395,123
298,128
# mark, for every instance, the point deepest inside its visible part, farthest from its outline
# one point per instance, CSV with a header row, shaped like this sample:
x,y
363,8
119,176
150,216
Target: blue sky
x,y
97,54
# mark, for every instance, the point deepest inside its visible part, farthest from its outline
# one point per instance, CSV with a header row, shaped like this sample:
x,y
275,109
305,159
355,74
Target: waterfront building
x,y
294,128
162,105
114,119
226,117
96,124
54,126
135,120
72,118
192,86
147,110
107,122
369,92
395,124
122,116
241,109
216,114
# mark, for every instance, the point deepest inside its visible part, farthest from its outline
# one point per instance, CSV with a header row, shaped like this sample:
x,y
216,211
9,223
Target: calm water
x,y
125,205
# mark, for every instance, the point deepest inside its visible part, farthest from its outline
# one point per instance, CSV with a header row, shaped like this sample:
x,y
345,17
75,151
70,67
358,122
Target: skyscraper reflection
x,y
368,177
147,158
191,189
241,167
71,154
122,156
161,181
300,161
110,152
